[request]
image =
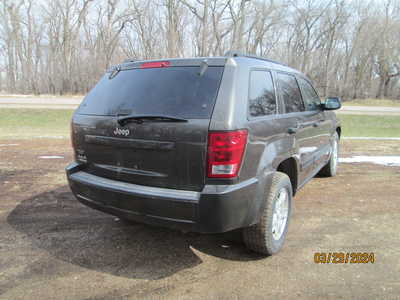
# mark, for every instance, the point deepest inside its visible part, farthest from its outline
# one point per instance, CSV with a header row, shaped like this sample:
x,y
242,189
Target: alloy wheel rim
x,y
280,215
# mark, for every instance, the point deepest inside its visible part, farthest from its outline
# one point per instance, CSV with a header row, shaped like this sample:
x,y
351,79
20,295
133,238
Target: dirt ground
x,y
52,247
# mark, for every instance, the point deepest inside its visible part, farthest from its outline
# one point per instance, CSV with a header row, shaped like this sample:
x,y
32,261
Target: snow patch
x,y
50,156
392,161
372,138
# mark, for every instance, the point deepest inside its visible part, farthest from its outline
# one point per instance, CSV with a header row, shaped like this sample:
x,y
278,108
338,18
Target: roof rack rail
x,y
234,53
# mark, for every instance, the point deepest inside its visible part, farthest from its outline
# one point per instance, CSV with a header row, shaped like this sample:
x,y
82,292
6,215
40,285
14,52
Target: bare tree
x,y
238,15
388,54
349,48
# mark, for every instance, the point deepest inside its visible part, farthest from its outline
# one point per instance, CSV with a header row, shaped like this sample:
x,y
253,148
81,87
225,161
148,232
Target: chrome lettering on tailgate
x,y
121,131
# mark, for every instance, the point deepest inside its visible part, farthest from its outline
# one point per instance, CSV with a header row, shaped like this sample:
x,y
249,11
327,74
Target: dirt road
x,y
370,110
52,247
52,102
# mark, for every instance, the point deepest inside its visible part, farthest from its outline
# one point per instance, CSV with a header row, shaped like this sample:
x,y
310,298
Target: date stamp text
x,y
344,257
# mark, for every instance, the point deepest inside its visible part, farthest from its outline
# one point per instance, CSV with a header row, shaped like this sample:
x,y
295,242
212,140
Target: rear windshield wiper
x,y
114,71
139,119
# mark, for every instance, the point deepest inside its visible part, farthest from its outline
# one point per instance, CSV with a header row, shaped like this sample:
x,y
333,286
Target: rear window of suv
x,y
172,91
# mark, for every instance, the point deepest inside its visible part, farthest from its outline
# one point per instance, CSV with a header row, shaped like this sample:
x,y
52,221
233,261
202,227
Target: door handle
x,y
316,124
293,130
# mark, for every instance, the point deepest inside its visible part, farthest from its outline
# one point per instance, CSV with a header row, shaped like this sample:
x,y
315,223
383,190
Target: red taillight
x,y
225,153
155,64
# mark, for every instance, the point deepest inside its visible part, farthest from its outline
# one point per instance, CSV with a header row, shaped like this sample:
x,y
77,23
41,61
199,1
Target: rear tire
x,y
267,237
330,169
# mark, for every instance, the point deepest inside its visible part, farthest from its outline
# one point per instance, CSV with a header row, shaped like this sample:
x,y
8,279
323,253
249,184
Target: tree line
x,y
348,48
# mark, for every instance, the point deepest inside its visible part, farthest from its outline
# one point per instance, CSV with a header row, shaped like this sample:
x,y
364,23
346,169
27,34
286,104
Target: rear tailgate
x,y
151,153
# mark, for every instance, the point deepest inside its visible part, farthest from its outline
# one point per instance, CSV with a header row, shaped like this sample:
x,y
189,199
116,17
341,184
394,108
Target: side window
x,y
310,97
262,100
290,93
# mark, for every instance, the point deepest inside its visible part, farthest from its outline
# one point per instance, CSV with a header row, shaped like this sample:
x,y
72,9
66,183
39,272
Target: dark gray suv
x,y
203,144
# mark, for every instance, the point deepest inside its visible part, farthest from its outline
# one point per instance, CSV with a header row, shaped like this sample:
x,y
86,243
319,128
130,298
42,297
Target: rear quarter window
x,y
172,91
262,101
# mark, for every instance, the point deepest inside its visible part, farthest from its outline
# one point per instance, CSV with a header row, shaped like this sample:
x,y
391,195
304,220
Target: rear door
x,y
302,121
157,153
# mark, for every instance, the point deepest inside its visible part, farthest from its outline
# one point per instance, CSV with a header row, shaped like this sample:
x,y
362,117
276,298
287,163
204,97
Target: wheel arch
x,y
271,162
289,166
339,131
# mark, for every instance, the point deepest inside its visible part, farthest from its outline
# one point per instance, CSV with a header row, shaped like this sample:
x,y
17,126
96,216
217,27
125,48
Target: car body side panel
x,y
274,151
226,113
269,143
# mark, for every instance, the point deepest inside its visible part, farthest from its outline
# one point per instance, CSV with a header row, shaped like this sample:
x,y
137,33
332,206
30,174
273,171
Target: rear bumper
x,y
218,208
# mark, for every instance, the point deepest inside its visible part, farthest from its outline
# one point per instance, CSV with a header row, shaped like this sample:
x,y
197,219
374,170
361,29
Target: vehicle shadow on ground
x,y
56,222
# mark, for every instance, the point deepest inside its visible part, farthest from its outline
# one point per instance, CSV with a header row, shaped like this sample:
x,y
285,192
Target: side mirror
x,y
332,103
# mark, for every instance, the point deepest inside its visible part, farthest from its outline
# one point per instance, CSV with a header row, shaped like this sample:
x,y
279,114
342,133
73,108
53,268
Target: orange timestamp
x,y
344,257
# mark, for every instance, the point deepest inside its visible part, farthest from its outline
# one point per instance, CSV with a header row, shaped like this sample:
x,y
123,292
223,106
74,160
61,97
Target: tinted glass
x,y
290,93
261,94
310,97
173,91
